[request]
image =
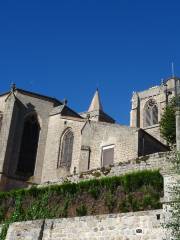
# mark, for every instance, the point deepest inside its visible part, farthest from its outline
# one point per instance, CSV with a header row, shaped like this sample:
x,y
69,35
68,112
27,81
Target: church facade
x,y
42,139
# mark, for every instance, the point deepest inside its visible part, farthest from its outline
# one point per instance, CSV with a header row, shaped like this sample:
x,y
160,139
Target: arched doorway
x,y
29,145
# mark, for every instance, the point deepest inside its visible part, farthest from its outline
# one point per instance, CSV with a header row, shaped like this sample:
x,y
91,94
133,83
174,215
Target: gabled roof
x,y
64,110
37,95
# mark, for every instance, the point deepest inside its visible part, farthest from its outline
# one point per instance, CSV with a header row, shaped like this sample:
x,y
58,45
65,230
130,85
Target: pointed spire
x,y
96,102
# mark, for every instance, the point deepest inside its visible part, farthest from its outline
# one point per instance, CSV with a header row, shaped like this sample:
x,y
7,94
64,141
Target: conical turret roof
x,y
95,103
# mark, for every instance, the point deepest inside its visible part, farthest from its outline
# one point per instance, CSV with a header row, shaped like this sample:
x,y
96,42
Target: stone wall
x,y
148,144
156,161
16,108
2,102
89,140
90,136
146,225
56,128
97,135
129,226
42,107
155,132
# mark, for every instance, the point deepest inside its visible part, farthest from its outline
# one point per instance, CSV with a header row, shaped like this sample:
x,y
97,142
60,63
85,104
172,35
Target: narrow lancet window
x,y
66,149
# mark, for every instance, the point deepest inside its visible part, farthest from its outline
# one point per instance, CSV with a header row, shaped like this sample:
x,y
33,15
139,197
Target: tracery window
x,y
150,113
66,149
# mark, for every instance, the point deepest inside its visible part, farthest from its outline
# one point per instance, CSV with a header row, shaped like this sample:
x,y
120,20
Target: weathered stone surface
x,y
54,118
132,226
157,161
31,230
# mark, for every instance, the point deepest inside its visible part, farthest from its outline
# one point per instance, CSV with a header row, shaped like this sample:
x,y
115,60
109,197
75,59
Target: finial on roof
x,y
96,102
13,87
65,101
162,81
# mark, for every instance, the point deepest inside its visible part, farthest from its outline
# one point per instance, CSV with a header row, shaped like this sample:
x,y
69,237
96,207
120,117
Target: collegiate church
x,y
42,139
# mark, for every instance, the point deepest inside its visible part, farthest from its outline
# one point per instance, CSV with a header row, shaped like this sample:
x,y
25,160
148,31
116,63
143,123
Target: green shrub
x,y
110,201
168,122
81,210
2,213
124,206
95,192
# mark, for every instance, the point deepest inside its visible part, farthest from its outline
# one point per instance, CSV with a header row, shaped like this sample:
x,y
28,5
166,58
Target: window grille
x,y
150,113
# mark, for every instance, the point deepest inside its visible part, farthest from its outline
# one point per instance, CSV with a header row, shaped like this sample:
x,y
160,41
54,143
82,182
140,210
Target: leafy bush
x,y
110,201
81,210
94,191
168,122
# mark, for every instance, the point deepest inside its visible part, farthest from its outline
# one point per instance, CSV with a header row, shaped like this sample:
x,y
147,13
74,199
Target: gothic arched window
x,y
66,149
1,117
150,113
29,145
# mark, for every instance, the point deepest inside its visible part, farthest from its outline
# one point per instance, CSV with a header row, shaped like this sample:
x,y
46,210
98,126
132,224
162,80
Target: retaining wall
x,y
149,162
130,226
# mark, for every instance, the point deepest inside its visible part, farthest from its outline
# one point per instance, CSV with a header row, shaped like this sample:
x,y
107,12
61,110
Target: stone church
x,y
42,139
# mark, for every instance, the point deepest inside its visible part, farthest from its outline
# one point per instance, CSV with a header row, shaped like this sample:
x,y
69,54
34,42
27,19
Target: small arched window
x,y
66,149
150,113
1,117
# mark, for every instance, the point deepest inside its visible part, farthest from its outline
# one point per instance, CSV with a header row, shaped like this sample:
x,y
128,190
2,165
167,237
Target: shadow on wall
x,y
149,145
22,146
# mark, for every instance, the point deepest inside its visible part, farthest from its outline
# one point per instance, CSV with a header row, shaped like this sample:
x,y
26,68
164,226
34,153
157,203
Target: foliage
x,y
81,210
110,200
131,192
94,191
168,122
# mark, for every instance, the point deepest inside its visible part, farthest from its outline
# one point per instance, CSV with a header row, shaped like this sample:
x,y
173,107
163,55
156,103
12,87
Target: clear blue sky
x,y
66,48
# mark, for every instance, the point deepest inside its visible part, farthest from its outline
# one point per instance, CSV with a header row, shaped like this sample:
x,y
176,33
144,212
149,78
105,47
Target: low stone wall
x,y
152,161
130,226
